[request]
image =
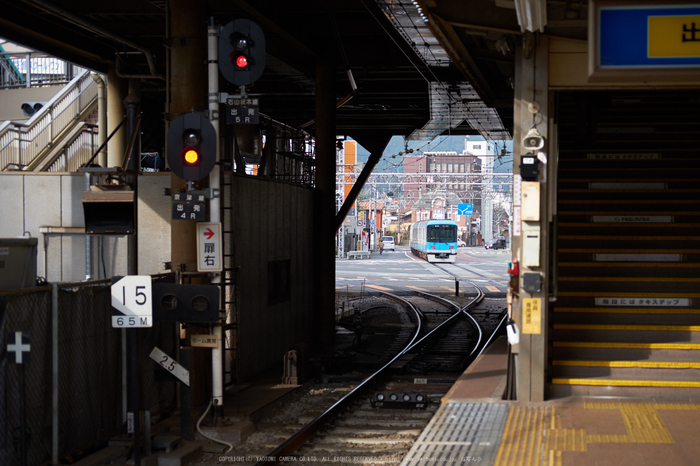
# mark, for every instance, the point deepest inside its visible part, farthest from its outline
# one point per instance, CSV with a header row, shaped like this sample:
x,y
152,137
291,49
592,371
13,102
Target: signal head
x,y
191,147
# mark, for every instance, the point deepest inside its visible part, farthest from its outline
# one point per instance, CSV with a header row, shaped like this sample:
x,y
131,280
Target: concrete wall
x,y
273,222
11,100
31,201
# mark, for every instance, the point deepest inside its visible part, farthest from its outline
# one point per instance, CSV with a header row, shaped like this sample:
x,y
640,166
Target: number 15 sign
x,y
131,302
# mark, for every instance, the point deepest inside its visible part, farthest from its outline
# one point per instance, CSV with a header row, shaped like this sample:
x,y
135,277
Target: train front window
x,y
442,233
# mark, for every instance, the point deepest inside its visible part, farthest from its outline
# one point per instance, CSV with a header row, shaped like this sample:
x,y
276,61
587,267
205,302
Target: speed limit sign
x,y
131,301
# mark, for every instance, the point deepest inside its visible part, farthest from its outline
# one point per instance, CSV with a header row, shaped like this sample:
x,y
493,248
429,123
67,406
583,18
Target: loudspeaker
x,y
533,140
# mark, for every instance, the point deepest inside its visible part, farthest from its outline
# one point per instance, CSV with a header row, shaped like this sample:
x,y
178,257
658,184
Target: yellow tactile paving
x,y
533,435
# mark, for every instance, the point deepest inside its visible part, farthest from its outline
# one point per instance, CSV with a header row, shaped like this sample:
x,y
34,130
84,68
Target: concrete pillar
x,y
188,91
116,93
530,307
132,103
325,207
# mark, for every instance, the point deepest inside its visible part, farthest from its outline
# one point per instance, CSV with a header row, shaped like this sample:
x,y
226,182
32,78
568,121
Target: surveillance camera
x,y
533,140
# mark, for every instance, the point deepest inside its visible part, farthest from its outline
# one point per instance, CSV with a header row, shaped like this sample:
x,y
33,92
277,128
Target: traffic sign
x,y
209,248
131,301
465,209
170,365
18,344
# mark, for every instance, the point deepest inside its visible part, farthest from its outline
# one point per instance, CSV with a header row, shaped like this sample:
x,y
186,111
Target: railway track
x,y
375,420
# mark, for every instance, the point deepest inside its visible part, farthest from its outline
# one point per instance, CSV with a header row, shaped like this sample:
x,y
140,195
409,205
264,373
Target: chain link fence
x,y
74,379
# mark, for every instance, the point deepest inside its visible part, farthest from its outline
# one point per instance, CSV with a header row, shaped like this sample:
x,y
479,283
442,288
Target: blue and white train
x,y
434,240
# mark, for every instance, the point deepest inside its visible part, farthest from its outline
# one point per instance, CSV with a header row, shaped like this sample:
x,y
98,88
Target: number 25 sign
x,y
131,301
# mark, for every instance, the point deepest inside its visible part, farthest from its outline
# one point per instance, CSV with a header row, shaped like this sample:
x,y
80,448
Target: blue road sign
x,y
465,209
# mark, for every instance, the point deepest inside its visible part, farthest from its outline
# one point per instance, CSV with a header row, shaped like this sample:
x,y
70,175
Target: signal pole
x,y
217,367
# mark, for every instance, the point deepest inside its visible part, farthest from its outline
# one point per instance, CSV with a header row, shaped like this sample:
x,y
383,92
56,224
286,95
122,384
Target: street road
x,y
401,271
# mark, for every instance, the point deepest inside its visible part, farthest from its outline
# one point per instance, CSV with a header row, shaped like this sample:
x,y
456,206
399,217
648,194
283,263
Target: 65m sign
x,y
132,305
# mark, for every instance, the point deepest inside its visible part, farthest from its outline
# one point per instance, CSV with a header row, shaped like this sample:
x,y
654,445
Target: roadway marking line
x,y
493,288
417,288
380,288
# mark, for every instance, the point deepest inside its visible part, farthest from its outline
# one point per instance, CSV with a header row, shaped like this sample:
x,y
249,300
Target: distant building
x,y
440,184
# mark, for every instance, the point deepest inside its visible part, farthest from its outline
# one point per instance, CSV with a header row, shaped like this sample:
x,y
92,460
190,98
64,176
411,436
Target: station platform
x,y
475,425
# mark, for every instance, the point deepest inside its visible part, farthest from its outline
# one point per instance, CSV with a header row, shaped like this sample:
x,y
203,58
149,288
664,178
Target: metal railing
x,y
23,146
31,69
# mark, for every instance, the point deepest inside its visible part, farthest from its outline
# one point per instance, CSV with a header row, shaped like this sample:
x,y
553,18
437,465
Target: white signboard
x,y
170,365
131,302
209,247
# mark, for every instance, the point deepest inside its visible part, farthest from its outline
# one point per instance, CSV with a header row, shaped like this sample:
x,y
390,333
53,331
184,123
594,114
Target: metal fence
x,y
74,381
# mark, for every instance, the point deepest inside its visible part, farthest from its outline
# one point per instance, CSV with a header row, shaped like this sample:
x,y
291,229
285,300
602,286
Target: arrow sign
x,y
209,249
465,209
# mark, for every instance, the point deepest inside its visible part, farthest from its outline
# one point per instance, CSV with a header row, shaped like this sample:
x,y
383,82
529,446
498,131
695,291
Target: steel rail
x,y
477,299
297,440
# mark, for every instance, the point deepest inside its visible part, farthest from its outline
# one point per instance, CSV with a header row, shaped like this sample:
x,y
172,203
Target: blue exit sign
x,y
648,37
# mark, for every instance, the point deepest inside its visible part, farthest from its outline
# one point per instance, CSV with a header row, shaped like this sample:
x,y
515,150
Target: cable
x,y
230,446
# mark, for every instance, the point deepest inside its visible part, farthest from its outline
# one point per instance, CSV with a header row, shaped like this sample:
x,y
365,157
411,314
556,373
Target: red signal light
x,y
241,61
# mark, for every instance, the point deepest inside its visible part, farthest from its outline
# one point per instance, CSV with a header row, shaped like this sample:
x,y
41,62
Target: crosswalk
x,y
492,289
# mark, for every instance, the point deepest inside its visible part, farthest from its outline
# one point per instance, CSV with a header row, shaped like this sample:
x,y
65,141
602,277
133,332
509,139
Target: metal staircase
x,y
627,317
56,138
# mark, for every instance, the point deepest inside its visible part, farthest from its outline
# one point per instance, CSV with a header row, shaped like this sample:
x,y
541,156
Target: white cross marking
x,y
18,348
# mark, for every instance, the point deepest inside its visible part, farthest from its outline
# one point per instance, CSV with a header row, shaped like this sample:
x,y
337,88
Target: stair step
x,y
627,353
625,319
627,370
626,345
627,383
645,334
629,364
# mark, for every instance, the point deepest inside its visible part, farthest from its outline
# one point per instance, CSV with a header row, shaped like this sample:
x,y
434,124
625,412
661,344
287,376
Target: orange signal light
x,y
191,156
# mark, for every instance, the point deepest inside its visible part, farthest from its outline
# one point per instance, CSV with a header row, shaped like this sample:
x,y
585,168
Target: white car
x,y
388,242
461,243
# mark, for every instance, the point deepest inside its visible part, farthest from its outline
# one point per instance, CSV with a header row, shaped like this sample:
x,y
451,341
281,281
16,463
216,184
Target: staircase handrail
x,y
23,144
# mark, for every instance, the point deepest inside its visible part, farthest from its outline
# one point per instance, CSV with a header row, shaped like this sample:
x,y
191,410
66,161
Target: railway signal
x,y
185,303
241,52
191,147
